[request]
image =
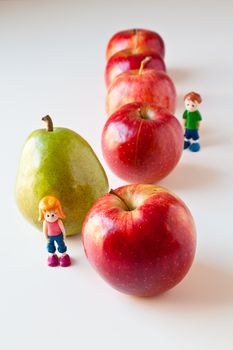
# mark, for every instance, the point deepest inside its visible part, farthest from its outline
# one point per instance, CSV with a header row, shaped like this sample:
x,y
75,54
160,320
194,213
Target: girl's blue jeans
x,y
59,239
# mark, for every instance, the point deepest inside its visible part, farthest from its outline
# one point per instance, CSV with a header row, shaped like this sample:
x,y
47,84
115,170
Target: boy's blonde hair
x,y
50,203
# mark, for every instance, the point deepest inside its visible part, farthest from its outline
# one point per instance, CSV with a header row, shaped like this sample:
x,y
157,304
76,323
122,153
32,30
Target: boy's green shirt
x,y
192,119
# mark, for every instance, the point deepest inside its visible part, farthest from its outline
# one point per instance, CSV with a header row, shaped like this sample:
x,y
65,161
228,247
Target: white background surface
x,y
52,57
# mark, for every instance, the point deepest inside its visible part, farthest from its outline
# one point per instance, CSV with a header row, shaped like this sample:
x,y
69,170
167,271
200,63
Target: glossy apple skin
x,y
133,38
126,60
150,86
145,251
142,150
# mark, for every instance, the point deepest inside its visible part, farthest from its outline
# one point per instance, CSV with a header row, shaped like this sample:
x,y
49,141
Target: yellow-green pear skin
x,y
59,163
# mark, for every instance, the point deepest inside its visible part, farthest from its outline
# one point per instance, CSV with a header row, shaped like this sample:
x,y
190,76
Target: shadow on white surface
x,y
179,74
210,137
191,176
205,287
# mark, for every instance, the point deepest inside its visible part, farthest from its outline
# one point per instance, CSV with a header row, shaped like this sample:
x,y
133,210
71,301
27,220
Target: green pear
x,y
59,162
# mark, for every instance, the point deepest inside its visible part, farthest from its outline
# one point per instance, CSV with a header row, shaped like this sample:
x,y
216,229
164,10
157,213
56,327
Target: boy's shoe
x,y
186,144
195,147
65,260
53,260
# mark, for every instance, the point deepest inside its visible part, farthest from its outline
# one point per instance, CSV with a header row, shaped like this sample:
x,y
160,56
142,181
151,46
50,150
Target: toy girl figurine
x,y
192,119
50,212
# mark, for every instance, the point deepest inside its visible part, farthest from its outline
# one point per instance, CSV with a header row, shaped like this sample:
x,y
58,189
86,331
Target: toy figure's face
x,y
191,106
51,216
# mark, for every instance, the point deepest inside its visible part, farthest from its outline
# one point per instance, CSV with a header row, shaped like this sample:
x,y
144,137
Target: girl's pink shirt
x,y
53,228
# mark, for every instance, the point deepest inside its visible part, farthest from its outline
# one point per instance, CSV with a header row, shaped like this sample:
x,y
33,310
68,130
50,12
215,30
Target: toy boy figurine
x,y
50,212
192,119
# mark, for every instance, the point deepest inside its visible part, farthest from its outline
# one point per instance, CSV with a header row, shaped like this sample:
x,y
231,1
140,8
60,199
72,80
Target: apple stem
x,y
140,113
144,61
49,123
117,195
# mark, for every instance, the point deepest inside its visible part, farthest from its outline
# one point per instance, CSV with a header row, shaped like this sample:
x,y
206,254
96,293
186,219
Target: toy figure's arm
x,y
184,118
199,119
62,227
45,229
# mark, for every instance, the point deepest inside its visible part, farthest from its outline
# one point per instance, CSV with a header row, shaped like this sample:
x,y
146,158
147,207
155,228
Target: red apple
x,y
125,60
142,85
140,238
133,38
142,143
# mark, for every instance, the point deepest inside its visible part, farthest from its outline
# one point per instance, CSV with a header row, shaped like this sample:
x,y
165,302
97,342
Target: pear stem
x,y
49,123
145,61
117,195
